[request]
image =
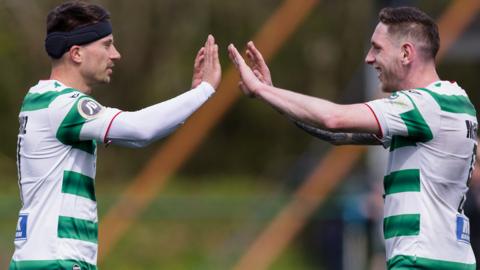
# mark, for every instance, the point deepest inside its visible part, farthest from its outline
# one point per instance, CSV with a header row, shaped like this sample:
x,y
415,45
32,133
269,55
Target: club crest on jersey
x,y
89,108
76,267
394,95
21,232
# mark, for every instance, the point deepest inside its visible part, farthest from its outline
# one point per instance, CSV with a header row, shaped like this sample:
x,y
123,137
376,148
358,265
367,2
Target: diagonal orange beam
x,y
454,21
180,146
283,229
334,167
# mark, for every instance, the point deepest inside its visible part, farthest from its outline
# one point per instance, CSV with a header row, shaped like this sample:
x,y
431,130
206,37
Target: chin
x,y
104,80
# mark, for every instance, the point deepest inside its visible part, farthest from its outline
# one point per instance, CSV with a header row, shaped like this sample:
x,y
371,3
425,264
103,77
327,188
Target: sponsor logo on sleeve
x,y
89,108
463,229
21,232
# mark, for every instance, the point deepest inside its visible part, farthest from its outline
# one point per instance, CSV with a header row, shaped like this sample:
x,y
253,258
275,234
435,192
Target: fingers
x,y
259,75
200,52
199,58
235,56
209,44
216,61
255,53
211,69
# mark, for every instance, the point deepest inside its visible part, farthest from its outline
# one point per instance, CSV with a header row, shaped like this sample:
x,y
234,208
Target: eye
x,y
108,44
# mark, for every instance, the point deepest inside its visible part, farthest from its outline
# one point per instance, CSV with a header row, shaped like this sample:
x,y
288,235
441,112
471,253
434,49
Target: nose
x,y
369,59
115,55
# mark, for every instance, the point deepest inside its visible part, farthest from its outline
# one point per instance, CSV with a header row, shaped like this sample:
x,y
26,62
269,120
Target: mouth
x,y
379,71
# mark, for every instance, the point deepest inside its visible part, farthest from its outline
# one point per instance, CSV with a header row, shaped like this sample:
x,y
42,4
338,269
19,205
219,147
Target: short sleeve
x,y
77,117
405,114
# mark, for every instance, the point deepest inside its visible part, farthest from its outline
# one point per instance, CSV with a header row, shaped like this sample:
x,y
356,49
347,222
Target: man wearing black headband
x,y
60,126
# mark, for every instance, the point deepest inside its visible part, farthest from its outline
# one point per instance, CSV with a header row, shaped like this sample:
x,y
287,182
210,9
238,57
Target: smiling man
x,y
429,124
60,126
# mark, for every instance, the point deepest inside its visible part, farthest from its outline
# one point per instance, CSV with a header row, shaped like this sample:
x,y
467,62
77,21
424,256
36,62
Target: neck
x,y
421,76
70,77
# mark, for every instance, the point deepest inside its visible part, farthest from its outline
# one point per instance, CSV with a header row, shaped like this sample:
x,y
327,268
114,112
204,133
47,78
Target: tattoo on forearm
x,y
340,138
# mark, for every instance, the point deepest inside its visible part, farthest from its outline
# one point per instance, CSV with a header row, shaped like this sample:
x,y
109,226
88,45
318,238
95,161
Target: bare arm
x,y
340,138
311,110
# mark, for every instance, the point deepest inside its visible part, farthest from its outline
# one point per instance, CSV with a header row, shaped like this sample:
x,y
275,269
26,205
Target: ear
x,y
76,54
408,53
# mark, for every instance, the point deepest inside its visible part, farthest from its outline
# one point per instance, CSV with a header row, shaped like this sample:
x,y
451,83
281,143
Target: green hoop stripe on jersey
x,y
50,264
69,131
402,181
417,128
78,184
37,101
401,141
452,103
403,262
401,225
75,228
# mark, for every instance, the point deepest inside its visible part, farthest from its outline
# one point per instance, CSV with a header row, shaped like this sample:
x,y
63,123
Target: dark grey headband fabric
x,y
57,43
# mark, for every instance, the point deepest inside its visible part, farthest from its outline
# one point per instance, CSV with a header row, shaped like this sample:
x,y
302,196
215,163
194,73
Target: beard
x,y
389,82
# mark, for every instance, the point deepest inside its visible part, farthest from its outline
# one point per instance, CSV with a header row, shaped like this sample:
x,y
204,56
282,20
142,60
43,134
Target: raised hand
x,y
198,68
259,67
210,65
249,84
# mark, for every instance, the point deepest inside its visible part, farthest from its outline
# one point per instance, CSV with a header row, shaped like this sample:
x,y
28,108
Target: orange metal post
x,y
183,143
276,237
455,19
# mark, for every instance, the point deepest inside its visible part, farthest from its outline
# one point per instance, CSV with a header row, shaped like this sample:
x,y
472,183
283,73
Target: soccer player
x,y
60,126
428,124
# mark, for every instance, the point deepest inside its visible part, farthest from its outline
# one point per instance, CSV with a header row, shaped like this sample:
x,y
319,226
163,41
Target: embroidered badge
x,y
89,108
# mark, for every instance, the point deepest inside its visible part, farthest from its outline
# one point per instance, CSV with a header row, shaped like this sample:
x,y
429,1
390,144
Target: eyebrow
x,y
375,44
108,41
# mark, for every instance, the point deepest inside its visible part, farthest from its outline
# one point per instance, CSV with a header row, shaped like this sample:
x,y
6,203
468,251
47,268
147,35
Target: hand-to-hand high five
x,y
256,81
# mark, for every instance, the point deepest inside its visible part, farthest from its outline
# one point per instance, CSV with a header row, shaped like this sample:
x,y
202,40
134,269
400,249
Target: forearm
x,y
340,138
306,109
139,128
351,118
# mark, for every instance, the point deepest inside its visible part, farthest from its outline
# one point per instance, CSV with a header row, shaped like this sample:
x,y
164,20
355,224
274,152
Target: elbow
x,y
147,136
141,138
141,143
334,122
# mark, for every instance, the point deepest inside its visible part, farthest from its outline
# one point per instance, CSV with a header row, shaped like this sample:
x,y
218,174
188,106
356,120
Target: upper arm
x,y
407,113
358,118
80,118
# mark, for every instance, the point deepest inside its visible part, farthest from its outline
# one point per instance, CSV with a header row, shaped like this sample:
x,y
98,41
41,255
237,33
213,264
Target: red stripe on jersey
x,y
376,119
109,126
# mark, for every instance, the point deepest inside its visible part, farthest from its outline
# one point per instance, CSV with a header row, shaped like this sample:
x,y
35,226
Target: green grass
x,y
205,223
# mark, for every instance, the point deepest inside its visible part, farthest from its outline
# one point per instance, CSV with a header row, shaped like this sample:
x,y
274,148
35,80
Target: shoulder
x,y
399,101
449,97
45,94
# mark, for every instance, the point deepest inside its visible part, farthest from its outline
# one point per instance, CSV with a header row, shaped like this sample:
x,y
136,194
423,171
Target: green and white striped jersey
x,y
57,226
431,133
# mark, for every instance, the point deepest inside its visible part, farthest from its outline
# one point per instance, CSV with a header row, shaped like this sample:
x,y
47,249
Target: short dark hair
x,y
74,14
410,21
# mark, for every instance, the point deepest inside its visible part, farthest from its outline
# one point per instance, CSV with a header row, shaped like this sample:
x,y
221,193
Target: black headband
x,y
57,43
